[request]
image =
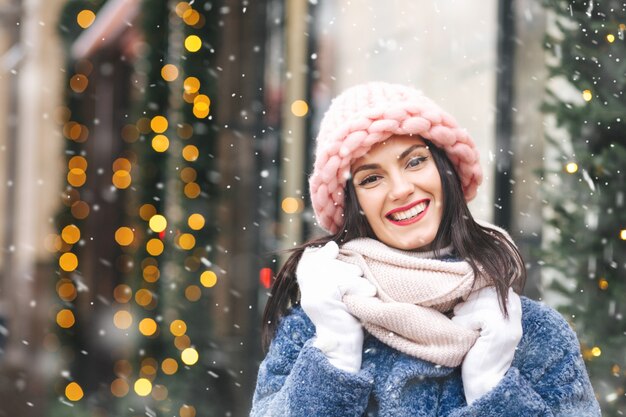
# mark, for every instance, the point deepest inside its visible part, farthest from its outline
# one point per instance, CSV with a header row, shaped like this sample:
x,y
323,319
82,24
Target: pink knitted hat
x,y
367,114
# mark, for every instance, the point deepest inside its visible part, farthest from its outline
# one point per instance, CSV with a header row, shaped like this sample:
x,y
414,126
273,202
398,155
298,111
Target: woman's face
x,y
399,190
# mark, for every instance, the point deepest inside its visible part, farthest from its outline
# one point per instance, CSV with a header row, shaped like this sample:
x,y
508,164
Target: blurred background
x,y
153,166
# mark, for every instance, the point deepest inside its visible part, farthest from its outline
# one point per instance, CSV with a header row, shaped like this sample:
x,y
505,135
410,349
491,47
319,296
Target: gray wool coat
x,y
547,377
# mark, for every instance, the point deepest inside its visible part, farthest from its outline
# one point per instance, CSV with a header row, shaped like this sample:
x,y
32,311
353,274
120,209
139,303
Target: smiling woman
x,y
409,306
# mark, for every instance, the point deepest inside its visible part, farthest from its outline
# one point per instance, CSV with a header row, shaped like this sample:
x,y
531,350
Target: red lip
x,y
407,207
411,220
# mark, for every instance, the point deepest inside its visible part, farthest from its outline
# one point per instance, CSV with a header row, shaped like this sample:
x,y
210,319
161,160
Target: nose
x,y
401,188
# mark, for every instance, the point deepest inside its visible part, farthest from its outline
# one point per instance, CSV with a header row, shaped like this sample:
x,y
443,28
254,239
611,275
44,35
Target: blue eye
x,y
413,162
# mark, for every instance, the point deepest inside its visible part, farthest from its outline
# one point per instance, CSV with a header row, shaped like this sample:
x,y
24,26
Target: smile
x,y
410,214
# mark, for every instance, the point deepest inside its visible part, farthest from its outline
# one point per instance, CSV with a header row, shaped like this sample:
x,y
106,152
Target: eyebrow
x,y
403,155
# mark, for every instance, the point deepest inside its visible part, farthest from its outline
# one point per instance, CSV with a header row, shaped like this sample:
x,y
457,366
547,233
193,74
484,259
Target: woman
x,y
418,313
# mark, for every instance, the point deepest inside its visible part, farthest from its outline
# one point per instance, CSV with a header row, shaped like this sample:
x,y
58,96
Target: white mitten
x,y
323,281
488,360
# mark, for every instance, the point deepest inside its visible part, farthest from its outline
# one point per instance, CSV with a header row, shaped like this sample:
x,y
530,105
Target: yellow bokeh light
x,y
79,83
159,124
191,85
178,328
122,164
191,17
192,190
610,38
148,327
193,43
189,356
146,211
65,318
160,143
622,234
190,153
299,108
596,351
70,234
122,319
157,223
77,162
85,18
119,387
124,236
571,167
196,221
603,284
76,177
121,179
143,297
208,279
143,387
73,391
169,366
154,247
186,241
169,72
193,293
151,273
187,411
200,113
291,205
587,95
68,262
122,293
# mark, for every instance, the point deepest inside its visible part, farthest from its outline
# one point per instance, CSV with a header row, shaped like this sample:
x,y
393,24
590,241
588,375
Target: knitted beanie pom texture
x,y
367,114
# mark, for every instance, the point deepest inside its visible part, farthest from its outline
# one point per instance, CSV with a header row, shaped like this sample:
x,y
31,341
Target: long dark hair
x,y
489,252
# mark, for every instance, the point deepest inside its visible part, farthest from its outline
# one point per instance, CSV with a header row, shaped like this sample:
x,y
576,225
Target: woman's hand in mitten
x,y
323,281
488,360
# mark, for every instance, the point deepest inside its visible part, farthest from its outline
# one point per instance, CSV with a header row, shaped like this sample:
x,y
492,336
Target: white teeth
x,y
412,212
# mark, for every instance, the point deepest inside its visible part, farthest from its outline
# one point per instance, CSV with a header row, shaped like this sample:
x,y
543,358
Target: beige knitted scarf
x,y
415,290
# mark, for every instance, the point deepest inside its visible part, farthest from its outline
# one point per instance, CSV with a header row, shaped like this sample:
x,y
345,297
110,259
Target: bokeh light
x,y
190,153
158,223
121,179
169,72
208,279
147,326
65,318
124,236
160,143
571,167
187,411
68,262
119,387
169,366
186,241
151,273
178,327
70,234
299,108
154,247
159,124
587,95
143,387
192,190
189,356
291,205
196,221
122,293
146,211
76,177
79,83
193,43
73,391
143,297
122,319
85,18
193,293
191,85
